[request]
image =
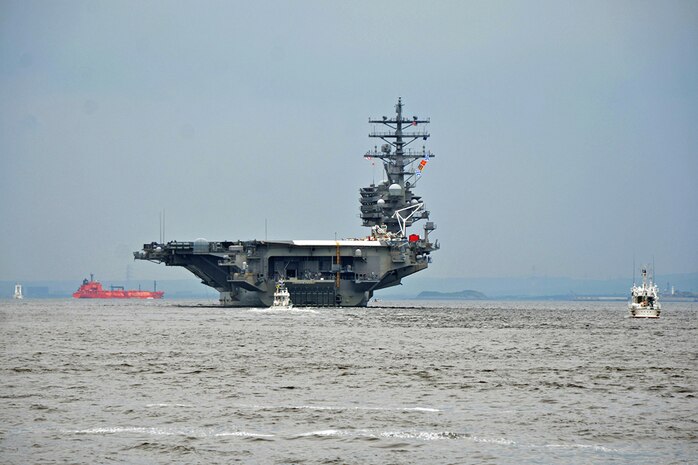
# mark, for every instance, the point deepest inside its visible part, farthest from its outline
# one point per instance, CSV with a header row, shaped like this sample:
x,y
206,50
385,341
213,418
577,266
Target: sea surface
x,y
161,382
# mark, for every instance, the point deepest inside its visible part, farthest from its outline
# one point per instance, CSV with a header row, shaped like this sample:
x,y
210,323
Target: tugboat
x,y
93,290
282,298
644,300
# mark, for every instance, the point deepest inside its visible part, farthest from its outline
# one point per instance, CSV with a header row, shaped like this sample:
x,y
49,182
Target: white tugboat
x,y
18,292
282,298
644,300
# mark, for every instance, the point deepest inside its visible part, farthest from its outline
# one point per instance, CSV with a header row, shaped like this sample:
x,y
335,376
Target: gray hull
x,y
316,273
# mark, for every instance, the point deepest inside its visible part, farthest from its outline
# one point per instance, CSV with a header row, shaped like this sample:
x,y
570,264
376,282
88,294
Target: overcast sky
x,y
566,133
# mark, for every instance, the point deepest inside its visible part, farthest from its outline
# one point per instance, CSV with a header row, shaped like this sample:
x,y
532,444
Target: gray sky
x,y
565,132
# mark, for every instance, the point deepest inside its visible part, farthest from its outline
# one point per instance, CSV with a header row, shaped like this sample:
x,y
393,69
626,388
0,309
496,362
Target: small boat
x,y
93,290
644,299
282,298
18,292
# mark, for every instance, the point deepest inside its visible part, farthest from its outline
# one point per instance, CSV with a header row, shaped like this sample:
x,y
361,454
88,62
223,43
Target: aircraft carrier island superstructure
x,y
334,273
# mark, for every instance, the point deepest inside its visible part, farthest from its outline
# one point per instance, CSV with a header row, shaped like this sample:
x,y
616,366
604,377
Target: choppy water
x,y
485,382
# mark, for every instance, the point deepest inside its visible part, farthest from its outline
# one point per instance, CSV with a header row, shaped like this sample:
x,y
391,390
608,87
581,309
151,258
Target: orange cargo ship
x,y
92,289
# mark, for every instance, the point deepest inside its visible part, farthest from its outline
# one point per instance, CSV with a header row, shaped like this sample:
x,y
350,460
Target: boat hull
x,y
644,312
113,295
93,290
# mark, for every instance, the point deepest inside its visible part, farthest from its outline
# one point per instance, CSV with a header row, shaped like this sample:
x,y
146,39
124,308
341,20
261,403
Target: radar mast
x,y
391,205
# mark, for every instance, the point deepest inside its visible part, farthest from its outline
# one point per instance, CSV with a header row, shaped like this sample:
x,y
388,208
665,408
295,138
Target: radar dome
x,y
395,189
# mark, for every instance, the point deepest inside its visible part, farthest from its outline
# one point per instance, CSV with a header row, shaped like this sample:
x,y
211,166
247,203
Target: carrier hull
x,y
316,273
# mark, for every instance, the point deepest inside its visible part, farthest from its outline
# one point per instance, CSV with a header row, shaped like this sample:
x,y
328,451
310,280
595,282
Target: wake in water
x,y
340,408
355,434
284,311
169,431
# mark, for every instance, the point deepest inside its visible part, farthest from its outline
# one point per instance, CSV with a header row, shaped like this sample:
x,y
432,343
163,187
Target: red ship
x,y
93,290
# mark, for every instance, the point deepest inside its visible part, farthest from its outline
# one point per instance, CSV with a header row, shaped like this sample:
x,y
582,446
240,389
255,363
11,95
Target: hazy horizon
x,y
564,132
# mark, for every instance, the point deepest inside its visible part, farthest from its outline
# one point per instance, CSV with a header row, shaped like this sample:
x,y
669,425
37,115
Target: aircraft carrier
x,y
328,273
